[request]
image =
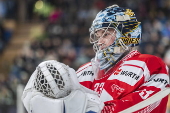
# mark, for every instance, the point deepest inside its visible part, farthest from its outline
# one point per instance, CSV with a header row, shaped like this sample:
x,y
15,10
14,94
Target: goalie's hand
x,y
50,86
80,102
36,102
76,102
94,104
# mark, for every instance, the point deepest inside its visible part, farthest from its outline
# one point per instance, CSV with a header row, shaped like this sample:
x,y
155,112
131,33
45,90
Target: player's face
x,y
105,37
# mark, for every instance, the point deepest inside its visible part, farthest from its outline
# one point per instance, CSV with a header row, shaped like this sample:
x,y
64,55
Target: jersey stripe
x,y
150,108
133,66
83,67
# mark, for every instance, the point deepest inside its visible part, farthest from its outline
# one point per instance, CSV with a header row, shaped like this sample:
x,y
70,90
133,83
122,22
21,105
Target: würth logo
x,y
87,73
130,74
165,82
117,71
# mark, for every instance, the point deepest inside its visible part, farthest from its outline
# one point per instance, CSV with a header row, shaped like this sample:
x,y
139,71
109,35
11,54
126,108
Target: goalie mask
x,y
123,30
52,79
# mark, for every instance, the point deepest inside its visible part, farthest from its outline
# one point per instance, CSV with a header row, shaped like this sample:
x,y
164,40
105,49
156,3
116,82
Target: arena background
x,y
32,31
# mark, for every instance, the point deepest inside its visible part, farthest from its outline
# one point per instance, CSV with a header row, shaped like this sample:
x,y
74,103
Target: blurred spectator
x,y
3,9
7,96
5,35
2,39
55,15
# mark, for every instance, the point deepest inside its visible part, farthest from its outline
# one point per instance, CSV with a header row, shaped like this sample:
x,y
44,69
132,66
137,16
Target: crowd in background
x,y
7,11
66,39
7,94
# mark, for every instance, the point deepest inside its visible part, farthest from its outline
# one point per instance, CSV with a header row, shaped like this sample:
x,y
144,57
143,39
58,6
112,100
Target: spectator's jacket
x,y
133,79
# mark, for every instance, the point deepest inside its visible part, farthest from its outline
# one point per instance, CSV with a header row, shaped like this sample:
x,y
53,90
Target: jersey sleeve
x,y
85,75
155,78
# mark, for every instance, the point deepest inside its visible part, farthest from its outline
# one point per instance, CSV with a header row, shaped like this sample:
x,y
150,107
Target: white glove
x,y
94,104
76,102
80,100
36,102
73,103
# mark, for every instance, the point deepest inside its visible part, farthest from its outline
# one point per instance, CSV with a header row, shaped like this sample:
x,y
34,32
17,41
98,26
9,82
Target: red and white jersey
x,y
133,79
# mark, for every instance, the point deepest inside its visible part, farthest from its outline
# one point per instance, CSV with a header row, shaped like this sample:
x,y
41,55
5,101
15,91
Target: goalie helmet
x,y
127,31
52,79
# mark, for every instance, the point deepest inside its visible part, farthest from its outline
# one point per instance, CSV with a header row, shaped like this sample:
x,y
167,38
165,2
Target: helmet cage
x,y
118,31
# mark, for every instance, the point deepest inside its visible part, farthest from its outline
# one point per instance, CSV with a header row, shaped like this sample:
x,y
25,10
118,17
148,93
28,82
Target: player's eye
x,y
106,34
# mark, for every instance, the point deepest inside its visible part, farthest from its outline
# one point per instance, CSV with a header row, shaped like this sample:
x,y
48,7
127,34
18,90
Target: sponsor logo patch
x,y
127,73
116,88
85,73
129,40
130,74
117,71
165,82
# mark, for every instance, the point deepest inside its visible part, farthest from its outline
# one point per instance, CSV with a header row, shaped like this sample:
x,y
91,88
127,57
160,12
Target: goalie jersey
x,y
133,79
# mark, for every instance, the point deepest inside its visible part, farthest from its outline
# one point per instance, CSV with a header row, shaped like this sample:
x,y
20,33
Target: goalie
x,y
121,75
54,88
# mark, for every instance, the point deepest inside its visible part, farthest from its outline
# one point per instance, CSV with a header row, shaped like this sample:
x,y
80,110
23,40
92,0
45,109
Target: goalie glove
x,y
54,85
76,102
39,103
94,104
